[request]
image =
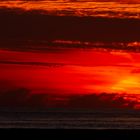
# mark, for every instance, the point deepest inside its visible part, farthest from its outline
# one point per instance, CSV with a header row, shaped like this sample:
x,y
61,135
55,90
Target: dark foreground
x,y
70,119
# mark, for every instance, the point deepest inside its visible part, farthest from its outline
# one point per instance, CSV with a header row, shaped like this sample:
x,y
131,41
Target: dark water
x,y
64,119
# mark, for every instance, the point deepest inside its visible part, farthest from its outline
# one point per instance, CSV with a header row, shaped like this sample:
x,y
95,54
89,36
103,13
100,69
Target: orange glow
x,y
86,72
114,8
128,84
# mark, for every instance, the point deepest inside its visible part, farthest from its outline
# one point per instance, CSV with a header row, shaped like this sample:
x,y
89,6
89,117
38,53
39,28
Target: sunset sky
x,y
71,48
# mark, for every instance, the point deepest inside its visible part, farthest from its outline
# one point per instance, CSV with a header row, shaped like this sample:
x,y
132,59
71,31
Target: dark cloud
x,y
23,98
102,100
32,63
18,25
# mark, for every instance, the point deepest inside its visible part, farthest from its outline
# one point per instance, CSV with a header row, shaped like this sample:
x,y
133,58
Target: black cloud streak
x,y
32,63
17,25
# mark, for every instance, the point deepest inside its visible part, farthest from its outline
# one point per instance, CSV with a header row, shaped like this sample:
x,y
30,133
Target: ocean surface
x,y
71,119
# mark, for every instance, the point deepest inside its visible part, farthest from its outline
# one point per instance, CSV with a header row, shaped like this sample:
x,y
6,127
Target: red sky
x,y
85,71
64,70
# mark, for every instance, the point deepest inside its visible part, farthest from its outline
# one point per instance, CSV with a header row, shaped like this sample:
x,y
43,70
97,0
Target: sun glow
x,y
128,84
